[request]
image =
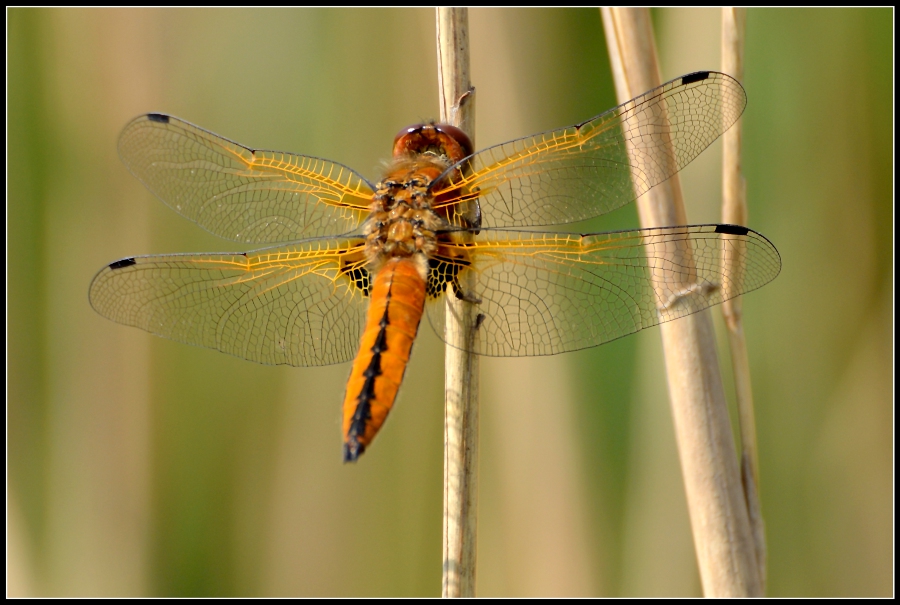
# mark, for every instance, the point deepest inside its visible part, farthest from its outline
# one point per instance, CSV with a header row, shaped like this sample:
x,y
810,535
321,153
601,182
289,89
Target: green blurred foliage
x,y
138,466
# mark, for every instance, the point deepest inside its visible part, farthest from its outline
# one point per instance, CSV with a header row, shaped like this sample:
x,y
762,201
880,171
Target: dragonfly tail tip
x,y
353,449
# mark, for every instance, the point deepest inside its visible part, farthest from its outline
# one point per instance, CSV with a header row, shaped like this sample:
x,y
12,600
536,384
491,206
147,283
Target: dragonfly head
x,y
437,139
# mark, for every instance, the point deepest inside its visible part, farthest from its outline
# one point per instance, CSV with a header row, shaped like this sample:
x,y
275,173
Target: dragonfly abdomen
x,y
396,305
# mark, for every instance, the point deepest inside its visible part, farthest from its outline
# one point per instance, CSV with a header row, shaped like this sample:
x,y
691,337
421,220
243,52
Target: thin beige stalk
x,y
460,365
734,211
726,553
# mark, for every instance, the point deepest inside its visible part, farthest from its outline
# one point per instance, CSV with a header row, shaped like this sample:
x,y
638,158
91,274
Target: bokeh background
x,y
138,466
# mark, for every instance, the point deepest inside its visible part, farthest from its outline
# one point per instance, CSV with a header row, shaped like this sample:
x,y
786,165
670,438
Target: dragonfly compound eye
x,y
439,139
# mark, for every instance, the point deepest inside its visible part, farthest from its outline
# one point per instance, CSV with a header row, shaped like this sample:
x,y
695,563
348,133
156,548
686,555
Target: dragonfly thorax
x,y
403,223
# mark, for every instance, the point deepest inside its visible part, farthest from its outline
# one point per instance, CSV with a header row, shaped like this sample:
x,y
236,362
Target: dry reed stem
x,y
726,554
460,365
734,211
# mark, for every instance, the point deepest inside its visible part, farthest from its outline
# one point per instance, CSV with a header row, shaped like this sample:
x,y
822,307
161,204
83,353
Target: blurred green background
x,y
138,466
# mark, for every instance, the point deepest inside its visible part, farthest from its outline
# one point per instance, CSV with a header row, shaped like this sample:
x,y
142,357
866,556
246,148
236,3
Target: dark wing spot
x,y
360,277
694,77
732,229
121,264
441,273
158,117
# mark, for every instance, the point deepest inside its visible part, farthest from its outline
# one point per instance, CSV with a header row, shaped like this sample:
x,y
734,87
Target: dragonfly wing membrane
x,y
543,293
238,193
589,169
302,305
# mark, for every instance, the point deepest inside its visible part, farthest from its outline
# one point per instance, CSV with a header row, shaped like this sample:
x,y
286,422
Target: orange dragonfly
x,y
356,264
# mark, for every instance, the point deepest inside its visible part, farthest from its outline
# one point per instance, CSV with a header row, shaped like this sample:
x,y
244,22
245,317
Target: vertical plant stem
x,y
723,540
734,211
460,364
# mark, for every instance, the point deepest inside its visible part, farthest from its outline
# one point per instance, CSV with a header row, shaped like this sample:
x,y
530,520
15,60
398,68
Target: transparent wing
x,y
239,193
589,169
302,305
545,293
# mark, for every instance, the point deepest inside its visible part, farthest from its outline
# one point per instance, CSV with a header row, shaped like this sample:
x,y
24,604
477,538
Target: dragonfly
x,y
349,267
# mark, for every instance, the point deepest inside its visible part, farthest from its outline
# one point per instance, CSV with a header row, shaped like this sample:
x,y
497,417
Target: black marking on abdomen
x,y
695,77
158,117
121,264
363,414
732,229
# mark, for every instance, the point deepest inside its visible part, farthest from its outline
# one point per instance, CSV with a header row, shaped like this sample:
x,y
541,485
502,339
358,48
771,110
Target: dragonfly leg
x,y
466,296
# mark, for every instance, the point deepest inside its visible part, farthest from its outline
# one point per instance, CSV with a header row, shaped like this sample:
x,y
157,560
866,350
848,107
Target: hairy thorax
x,y
403,222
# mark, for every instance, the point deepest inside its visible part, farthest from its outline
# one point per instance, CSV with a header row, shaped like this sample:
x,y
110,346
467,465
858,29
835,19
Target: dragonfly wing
x,y
546,293
238,193
592,168
302,305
